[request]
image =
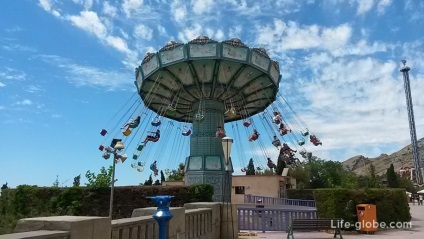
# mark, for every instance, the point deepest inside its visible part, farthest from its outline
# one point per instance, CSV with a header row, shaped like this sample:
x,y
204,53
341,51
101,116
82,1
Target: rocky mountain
x,y
360,164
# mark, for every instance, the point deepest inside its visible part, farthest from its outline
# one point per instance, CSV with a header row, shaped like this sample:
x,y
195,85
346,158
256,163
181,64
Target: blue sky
x,y
67,71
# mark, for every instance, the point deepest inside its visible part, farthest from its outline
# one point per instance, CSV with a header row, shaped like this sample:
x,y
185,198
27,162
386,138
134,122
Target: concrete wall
x,y
173,183
263,185
209,220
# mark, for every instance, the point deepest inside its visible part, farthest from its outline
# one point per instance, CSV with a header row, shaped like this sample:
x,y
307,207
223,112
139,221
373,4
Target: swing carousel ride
x,y
193,95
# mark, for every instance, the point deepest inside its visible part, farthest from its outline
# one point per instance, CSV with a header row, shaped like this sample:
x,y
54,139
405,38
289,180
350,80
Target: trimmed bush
x,y
392,204
304,194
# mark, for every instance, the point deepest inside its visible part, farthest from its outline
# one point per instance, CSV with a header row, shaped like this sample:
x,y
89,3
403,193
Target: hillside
x,y
360,164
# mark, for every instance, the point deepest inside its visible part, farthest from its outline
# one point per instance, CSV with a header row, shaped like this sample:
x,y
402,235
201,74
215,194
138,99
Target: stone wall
x,y
193,221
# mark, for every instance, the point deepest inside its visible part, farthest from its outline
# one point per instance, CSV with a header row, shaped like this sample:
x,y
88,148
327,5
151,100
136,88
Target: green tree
x,y
162,177
407,184
157,182
56,182
76,182
392,178
250,168
177,175
102,179
149,182
373,179
280,167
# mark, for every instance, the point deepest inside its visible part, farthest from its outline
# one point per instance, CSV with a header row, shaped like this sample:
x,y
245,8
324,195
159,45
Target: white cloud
x,y
48,7
2,84
24,102
190,33
81,75
12,74
89,21
382,5
202,6
143,32
109,10
364,6
129,6
118,43
284,36
179,13
34,88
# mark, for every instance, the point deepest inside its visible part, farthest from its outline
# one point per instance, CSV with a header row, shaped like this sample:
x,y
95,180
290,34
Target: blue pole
x,y
162,215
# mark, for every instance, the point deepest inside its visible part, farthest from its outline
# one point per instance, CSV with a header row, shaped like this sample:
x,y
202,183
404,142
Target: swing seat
x,y
106,155
231,113
170,110
253,137
126,132
133,165
199,117
301,142
156,122
101,147
103,132
140,169
140,147
133,125
246,123
141,164
135,156
276,143
304,132
243,170
187,133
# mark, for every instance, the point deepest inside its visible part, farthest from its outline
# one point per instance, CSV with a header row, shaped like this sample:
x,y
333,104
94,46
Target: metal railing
x,y
270,219
280,201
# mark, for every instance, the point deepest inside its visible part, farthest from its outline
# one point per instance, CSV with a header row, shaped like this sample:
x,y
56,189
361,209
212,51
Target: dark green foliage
x,y
280,167
76,182
304,194
157,182
102,179
392,178
407,185
392,205
178,174
149,182
4,186
32,201
200,192
373,179
250,168
162,177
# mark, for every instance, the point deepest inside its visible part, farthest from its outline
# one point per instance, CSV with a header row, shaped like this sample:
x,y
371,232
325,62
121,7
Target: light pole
x,y
227,143
118,146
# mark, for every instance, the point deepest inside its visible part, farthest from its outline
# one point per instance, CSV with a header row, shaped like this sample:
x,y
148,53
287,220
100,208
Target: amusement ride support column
x,y
206,163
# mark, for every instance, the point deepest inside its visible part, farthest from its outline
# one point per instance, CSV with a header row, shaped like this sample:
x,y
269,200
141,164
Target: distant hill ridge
x,y
360,164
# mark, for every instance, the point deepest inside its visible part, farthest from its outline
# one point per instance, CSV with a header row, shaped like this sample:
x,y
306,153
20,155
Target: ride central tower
x,y
208,83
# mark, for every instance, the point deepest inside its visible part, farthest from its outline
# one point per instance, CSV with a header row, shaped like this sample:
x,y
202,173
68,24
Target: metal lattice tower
x,y
417,164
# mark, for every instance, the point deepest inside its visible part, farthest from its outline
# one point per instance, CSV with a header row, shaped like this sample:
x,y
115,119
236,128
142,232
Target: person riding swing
x,y
154,138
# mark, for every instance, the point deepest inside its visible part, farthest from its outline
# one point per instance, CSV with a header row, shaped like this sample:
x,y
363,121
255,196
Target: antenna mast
x,y
417,164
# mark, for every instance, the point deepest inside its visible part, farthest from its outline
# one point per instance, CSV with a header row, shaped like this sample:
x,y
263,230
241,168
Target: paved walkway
x,y
417,231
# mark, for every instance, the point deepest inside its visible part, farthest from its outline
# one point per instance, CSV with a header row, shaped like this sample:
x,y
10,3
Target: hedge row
x,y
30,201
303,194
391,204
